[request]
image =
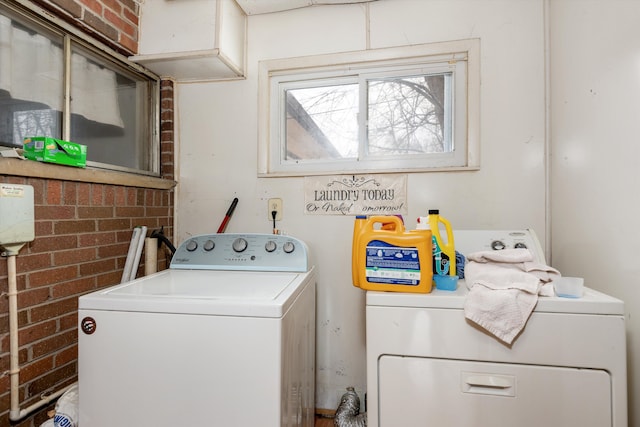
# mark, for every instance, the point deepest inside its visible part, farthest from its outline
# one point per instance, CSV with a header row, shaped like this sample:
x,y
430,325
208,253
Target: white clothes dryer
x,y
426,365
225,336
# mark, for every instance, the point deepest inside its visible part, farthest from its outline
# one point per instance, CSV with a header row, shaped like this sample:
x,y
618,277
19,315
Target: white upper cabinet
x,y
192,39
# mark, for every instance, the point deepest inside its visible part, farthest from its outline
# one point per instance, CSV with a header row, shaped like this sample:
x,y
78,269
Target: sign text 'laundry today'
x,y
356,195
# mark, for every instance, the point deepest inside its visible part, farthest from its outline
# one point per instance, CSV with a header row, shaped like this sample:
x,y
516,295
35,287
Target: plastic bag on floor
x,y
66,413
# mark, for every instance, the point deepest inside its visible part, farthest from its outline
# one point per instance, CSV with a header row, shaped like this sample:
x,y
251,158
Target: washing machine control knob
x,y
270,246
288,247
240,244
520,245
209,245
192,245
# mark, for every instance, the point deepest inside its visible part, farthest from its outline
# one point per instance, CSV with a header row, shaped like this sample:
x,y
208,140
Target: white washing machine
x,y
426,365
225,336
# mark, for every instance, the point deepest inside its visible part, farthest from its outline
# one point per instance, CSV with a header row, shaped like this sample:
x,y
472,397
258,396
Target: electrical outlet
x,y
275,205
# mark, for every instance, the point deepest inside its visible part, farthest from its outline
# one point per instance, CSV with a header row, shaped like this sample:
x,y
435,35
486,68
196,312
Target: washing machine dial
x,y
192,245
209,245
497,245
288,247
270,246
240,244
520,245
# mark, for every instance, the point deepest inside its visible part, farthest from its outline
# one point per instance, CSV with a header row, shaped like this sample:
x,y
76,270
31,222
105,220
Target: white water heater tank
x,y
16,216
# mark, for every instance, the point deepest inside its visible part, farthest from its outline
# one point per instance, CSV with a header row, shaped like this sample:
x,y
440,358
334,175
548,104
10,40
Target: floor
x,y
324,421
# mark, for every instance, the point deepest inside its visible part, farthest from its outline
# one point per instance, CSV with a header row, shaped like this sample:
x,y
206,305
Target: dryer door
x,y
422,392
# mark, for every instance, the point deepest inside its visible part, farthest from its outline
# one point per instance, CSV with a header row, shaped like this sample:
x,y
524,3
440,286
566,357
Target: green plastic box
x,y
51,150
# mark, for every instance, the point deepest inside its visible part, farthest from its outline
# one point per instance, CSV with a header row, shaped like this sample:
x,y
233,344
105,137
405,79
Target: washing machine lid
x,y
227,293
593,302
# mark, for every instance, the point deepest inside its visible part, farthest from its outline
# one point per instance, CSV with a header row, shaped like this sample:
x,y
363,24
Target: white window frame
x,y
275,76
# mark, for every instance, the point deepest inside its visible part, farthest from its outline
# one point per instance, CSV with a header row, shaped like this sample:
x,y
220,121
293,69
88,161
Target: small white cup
x,y
569,287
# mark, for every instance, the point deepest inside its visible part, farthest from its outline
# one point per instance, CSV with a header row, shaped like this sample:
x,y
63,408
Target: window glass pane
x,y
409,115
110,112
31,90
322,122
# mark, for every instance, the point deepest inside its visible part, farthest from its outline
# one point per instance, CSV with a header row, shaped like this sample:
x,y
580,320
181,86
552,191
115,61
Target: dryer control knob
x,y
288,247
270,246
192,245
497,245
240,244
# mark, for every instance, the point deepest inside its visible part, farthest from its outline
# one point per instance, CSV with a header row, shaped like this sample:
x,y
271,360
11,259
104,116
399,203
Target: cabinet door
x,y
423,392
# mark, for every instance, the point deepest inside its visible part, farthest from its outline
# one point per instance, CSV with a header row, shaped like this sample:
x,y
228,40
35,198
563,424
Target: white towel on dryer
x,y
503,290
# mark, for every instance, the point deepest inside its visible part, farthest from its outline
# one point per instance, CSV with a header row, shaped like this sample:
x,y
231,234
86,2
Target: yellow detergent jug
x,y
444,252
386,257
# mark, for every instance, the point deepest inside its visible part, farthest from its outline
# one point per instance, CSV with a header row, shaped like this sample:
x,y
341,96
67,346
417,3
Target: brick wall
x,y
82,236
113,22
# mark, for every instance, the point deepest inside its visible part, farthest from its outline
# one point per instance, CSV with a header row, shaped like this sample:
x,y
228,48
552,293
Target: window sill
x,y
28,168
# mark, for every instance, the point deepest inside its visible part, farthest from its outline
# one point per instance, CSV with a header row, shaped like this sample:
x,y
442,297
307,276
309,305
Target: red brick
x,y
109,279
31,262
93,5
124,235
74,256
50,378
113,224
54,212
53,309
129,42
114,5
31,297
115,19
84,194
120,249
43,228
157,211
130,16
95,212
55,275
53,344
97,267
120,196
109,195
69,321
36,332
73,287
52,243
132,196
54,192
150,222
74,227
39,186
96,239
129,211
69,191
69,354
97,196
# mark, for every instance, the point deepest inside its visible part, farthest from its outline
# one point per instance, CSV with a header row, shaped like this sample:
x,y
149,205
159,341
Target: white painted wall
x,y
594,127
595,100
218,147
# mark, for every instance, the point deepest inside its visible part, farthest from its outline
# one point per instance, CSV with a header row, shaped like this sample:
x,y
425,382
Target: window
x,y
413,108
53,83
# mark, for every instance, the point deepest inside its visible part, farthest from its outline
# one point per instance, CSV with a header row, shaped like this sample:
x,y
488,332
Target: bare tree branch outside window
x,y
405,116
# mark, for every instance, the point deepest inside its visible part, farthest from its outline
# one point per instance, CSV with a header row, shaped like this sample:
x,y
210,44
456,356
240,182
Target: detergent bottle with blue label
x,y
386,257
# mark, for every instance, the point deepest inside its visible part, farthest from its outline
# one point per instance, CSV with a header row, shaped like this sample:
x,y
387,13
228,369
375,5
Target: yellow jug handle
x,y
389,223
